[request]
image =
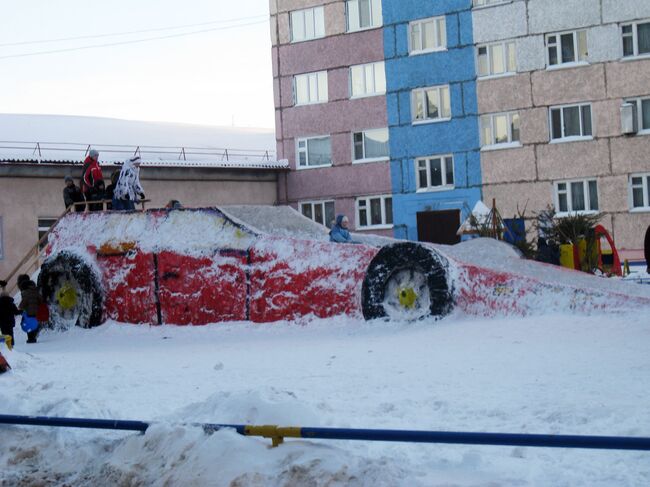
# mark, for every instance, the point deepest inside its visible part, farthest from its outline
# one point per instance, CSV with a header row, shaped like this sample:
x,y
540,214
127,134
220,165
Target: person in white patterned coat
x,y
128,187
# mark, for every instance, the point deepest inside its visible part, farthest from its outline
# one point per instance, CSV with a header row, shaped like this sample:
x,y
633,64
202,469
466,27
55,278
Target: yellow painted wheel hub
x,y
66,296
407,297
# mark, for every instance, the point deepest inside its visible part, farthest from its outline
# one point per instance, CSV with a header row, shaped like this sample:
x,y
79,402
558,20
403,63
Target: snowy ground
x,y
554,374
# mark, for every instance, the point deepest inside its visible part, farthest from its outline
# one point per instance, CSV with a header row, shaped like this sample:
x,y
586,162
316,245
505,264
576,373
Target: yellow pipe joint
x,y
276,433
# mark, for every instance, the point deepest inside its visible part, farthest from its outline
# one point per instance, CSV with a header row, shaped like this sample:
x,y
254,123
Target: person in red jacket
x,y
91,176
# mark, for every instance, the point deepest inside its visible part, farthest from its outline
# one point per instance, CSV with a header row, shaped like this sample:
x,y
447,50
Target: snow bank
x,y
558,374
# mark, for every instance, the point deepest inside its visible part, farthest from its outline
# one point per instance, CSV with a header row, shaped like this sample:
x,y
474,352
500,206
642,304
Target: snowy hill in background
x,y
66,138
105,131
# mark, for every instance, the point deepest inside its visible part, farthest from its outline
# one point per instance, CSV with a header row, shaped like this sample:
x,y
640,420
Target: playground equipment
x,y
263,264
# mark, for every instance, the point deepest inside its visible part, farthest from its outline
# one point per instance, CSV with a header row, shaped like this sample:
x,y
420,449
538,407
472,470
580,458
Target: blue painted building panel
x,y
455,67
435,68
400,11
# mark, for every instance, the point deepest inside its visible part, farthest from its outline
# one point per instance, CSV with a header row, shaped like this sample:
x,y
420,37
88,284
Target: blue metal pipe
x,y
497,439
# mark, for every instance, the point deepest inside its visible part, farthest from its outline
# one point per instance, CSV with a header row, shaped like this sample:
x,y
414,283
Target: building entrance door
x,y
439,226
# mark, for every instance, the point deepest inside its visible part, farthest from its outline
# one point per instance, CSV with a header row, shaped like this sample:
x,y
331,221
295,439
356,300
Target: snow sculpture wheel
x,y
406,281
71,290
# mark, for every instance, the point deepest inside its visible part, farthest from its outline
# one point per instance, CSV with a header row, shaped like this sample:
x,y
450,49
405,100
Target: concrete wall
x,y
339,118
30,192
523,177
458,136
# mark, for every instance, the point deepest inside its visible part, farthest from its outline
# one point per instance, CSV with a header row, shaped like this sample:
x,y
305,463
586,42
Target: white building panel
x,y
531,54
499,22
557,15
625,10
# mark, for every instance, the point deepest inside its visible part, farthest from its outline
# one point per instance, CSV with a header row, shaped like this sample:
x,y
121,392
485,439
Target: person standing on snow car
x,y
91,175
128,187
30,303
339,232
8,312
72,194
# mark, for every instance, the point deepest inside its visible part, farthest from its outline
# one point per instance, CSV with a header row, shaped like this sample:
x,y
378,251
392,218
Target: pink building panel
x,y
574,85
534,126
631,154
332,52
514,197
502,166
628,79
349,180
334,117
504,94
570,160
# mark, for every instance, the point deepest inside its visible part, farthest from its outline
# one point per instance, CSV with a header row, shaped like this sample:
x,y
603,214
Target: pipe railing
x,y
37,149
277,434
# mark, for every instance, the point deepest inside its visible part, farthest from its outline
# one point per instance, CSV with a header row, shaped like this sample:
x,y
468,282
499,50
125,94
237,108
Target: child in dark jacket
x,y
30,302
8,312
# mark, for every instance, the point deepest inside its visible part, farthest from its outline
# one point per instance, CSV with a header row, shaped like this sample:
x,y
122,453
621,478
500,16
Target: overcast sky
x,y
219,77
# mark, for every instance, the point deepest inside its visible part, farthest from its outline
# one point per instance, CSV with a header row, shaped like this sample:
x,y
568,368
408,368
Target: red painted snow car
x,y
263,264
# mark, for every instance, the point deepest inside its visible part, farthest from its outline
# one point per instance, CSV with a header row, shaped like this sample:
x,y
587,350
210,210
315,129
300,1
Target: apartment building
x,y
564,101
331,118
432,117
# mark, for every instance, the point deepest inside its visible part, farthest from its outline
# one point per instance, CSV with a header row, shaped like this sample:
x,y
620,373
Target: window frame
x,y
373,5
365,159
312,204
576,49
570,138
307,139
569,197
303,11
374,65
445,186
384,225
414,94
420,22
476,4
2,235
504,46
638,103
635,40
317,76
493,145
645,188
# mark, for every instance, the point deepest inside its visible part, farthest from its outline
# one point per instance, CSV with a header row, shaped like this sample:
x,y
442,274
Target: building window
x,y
484,3
375,212
500,129
307,24
641,113
428,35
314,151
636,39
367,80
370,145
363,14
571,122
431,104
640,192
567,48
310,88
497,59
44,225
319,211
435,172
576,196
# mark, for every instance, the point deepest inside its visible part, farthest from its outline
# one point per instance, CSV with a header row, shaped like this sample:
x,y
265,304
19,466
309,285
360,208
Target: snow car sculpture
x,y
263,264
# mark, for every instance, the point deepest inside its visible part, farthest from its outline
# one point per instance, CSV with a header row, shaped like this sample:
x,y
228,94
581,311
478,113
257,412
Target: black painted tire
x,y
404,258
68,269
